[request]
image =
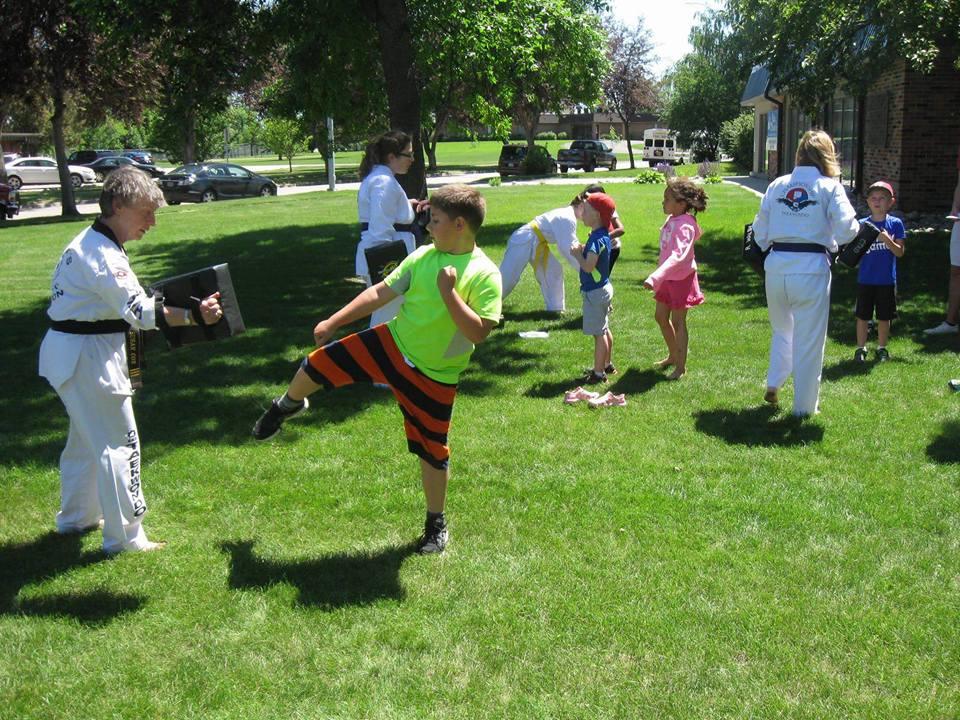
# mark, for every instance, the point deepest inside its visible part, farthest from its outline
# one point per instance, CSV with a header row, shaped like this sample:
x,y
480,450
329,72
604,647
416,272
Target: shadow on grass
x,y
46,557
758,426
637,382
330,582
945,447
846,368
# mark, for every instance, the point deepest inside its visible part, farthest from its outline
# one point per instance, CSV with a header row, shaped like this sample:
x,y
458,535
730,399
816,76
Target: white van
x,y
660,146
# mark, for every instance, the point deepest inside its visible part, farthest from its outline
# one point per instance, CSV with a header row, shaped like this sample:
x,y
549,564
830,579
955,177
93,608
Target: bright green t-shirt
x,y
423,329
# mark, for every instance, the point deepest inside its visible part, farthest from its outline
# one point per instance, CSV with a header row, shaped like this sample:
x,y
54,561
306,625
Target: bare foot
x,y
677,374
663,364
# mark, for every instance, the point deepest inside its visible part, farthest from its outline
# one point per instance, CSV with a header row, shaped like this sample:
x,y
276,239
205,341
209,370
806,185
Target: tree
x,y
629,88
284,137
558,60
69,52
706,85
809,46
206,50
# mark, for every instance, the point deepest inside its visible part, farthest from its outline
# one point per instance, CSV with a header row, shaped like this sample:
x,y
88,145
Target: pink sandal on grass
x,y
578,394
608,399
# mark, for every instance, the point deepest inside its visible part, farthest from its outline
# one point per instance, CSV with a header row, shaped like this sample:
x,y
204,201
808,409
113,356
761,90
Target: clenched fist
x,y
447,279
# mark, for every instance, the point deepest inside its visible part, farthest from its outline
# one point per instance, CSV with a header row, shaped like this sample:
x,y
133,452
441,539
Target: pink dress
x,y
675,282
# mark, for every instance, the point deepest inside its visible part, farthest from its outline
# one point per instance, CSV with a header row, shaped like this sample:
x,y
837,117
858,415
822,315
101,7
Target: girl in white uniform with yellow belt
x,y
530,244
802,217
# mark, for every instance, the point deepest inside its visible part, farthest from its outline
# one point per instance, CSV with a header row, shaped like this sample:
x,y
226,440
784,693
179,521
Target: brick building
x,y
904,129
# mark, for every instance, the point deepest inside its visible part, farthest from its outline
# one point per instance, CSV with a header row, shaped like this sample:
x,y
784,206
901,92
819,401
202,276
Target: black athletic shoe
x,y
860,355
434,538
882,355
269,423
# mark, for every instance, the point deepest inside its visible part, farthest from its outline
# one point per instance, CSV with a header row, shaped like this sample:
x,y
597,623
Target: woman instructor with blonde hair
x,y
803,216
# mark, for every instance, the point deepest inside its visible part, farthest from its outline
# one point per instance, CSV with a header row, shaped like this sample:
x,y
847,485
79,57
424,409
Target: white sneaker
x,y
943,328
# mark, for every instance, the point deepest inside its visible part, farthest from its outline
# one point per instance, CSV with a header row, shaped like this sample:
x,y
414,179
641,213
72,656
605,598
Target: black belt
x,y
92,327
399,227
800,247
133,339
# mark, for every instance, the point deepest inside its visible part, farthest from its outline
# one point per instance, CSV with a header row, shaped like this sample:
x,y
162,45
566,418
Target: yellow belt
x,y
542,253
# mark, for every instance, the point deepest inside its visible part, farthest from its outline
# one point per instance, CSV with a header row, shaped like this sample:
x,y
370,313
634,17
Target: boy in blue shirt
x,y
595,287
877,278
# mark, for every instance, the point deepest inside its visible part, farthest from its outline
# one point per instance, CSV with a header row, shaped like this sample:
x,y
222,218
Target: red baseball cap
x,y
603,204
881,185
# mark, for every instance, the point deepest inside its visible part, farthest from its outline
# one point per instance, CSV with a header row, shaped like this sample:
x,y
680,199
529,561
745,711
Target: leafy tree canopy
x,y
809,46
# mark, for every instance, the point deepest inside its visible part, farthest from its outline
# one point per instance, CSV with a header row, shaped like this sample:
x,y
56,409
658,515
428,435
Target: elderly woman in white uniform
x,y
802,217
530,245
386,214
96,301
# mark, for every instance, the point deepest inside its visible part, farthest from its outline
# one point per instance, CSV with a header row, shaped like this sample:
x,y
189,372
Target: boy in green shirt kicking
x,y
453,300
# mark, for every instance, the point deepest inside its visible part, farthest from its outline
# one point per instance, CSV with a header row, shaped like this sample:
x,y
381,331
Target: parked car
x,y
141,156
85,157
512,159
205,182
7,157
106,165
587,154
9,202
43,171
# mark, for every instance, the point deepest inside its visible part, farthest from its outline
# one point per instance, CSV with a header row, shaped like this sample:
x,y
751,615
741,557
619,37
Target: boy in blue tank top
x,y
877,278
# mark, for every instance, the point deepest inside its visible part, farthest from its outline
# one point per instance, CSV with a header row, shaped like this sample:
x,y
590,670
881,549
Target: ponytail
x,y
390,143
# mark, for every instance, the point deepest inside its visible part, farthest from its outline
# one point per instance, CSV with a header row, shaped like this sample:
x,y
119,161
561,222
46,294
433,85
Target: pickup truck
x,y
586,154
9,202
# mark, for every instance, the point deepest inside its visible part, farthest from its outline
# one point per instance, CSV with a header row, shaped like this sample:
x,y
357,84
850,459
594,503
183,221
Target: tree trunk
x,y
430,148
68,204
403,92
626,125
190,136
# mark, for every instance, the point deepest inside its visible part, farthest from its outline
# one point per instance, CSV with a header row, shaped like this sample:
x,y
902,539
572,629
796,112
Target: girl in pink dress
x,y
674,283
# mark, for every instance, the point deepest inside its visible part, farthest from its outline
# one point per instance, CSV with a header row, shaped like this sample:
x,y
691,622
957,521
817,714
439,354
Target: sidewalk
x,y
751,184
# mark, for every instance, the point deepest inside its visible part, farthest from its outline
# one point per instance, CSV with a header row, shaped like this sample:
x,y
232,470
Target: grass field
x,y
691,555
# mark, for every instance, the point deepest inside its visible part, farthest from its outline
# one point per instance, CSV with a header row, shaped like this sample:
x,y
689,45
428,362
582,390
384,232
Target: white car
x,y
43,171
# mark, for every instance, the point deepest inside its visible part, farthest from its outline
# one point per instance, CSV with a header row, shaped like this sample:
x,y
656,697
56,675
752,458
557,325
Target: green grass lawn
x,y
691,555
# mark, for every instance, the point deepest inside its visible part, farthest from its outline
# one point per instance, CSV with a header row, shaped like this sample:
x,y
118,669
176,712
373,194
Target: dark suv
x,y
85,157
513,157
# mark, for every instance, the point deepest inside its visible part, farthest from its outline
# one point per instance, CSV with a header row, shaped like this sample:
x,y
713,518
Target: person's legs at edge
x,y
810,298
781,342
109,430
79,504
662,316
678,318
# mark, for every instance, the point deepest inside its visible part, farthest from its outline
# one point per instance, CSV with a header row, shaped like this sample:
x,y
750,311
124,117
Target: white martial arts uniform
x,y
530,244
803,207
100,465
381,203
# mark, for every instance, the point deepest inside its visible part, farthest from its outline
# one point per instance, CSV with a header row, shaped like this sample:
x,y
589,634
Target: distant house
x,y
905,129
21,143
581,123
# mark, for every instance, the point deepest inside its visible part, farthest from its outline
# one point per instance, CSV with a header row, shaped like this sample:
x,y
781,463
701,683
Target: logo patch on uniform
x,y
797,199
120,274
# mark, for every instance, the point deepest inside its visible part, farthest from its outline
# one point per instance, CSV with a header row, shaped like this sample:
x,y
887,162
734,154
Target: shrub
x,y
546,136
563,136
706,169
495,182
665,169
713,179
650,177
612,135
538,161
736,140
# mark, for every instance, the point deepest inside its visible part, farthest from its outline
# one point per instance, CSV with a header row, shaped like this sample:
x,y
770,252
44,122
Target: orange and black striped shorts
x,y
373,356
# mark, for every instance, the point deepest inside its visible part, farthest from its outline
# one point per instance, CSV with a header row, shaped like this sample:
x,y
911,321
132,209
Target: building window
x,y
844,117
